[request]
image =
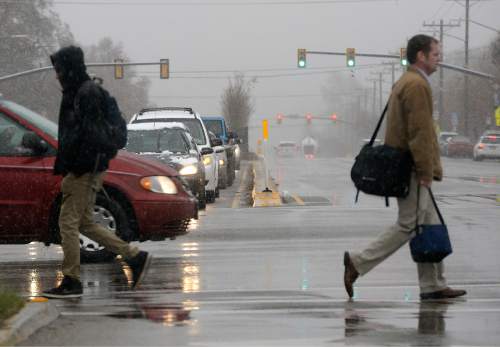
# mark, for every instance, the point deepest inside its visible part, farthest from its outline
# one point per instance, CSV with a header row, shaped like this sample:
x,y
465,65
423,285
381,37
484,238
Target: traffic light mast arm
x,y
47,68
444,65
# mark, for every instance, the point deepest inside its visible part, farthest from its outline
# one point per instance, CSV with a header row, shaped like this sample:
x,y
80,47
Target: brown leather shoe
x,y
350,274
446,293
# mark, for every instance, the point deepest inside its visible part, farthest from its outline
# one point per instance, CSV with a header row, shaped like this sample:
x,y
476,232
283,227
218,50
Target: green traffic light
x,y
302,63
350,63
404,62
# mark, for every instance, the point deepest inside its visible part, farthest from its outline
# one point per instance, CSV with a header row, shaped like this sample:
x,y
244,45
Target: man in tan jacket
x,y
410,127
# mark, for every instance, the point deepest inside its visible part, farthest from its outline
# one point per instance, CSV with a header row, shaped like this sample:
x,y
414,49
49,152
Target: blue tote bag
x,y
431,243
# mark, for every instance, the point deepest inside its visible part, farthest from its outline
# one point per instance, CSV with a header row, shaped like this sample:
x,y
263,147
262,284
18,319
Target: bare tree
x,y
495,54
236,101
131,92
29,33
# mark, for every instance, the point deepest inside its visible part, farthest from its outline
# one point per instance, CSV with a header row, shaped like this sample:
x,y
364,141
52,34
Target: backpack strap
x,y
377,128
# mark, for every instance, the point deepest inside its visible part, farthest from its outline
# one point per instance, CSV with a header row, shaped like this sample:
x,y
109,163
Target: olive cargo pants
x,y
79,196
430,275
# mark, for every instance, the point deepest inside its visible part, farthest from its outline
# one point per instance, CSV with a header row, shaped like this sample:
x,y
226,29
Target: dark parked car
x,y
171,144
147,200
459,146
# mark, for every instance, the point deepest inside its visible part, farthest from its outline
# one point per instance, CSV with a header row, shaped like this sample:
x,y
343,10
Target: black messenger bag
x,y
382,170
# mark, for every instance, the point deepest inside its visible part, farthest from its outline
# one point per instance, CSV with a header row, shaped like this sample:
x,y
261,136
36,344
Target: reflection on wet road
x,y
265,293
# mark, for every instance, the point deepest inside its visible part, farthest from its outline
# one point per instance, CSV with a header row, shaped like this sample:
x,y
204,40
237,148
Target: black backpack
x,y
382,170
109,133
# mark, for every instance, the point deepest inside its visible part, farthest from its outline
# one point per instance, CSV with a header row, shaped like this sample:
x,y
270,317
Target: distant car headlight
x,y
221,162
188,170
207,160
159,184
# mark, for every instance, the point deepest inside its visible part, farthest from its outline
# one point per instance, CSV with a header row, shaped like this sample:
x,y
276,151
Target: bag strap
x,y
377,128
433,202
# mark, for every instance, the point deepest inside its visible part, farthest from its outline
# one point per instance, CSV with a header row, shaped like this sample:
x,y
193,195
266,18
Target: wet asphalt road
x,y
273,276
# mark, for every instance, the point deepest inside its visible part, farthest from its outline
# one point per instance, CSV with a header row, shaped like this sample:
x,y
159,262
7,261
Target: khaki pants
x,y
430,275
79,195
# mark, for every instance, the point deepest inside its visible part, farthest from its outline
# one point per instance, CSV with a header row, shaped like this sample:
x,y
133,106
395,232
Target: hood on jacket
x,y
70,66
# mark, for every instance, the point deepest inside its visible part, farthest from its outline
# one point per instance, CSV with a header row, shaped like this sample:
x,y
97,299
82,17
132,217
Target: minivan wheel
x,y
110,215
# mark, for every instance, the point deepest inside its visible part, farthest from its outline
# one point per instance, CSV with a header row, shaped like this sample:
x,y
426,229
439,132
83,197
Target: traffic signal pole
x,y
47,68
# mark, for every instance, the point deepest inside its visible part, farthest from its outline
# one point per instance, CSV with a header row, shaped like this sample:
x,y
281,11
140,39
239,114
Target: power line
x,y
199,3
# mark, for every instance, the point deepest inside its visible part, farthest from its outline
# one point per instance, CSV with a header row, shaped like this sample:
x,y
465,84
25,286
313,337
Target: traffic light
x,y
301,57
402,57
309,118
164,69
350,56
279,117
118,69
333,117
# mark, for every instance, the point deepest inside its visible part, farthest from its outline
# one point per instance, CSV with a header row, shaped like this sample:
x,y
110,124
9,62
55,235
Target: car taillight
x,y
492,137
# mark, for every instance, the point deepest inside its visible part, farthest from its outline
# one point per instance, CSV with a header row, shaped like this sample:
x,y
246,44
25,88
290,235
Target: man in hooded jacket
x,y
82,165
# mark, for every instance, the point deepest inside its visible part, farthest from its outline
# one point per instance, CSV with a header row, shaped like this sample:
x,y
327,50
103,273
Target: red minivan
x,y
142,199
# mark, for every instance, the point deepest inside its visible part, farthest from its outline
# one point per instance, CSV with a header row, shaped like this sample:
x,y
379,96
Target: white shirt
x,y
426,76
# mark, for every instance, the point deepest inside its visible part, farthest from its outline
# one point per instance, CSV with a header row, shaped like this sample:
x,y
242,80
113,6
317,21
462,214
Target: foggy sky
x,y
262,40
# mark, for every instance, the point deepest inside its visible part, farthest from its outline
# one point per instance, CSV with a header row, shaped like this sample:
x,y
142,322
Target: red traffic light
x,y
333,117
309,118
280,117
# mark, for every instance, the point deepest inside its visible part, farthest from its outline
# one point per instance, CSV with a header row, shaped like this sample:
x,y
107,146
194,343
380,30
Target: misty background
x,y
209,42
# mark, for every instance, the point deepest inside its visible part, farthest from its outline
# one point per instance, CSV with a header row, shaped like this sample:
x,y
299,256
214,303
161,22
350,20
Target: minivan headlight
x,y
207,160
188,170
159,184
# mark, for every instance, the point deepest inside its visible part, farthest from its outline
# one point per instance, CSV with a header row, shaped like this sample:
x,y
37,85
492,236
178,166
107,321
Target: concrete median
x,y
265,191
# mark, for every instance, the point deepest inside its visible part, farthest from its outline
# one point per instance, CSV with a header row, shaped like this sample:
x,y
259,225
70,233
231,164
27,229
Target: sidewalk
x,y
32,317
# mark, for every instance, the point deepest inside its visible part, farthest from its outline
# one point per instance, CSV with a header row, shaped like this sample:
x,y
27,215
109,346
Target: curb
x,y
32,317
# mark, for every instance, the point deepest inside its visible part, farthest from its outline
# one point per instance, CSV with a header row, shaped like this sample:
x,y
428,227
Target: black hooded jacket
x,y
82,104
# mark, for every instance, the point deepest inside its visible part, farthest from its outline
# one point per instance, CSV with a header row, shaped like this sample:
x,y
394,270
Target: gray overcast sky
x,y
261,38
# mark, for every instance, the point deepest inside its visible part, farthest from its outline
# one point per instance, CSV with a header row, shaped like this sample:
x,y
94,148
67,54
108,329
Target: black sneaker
x,y
139,266
69,288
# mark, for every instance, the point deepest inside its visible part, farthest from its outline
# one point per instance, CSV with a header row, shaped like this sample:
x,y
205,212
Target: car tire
x,y
202,198
111,215
222,182
210,196
230,175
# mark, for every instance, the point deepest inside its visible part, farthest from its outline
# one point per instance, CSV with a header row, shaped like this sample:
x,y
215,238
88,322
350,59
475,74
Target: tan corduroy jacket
x,y
410,124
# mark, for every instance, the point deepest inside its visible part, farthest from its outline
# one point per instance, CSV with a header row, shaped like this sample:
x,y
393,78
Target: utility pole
x,y
466,78
441,26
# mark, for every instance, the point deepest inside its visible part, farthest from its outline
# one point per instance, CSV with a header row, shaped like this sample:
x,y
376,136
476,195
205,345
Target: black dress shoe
x,y
446,293
350,274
